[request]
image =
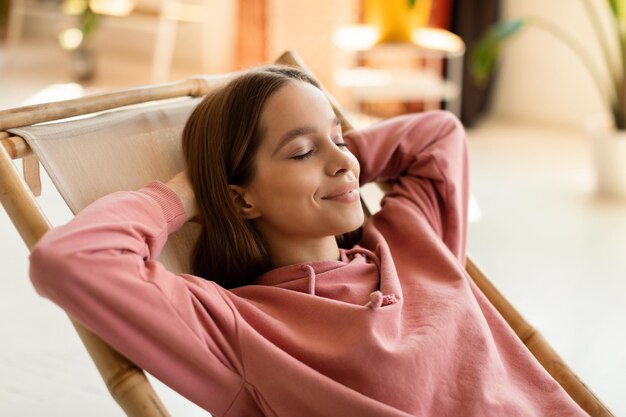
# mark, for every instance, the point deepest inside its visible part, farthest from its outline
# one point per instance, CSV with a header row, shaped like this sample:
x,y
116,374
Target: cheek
x,y
288,185
286,200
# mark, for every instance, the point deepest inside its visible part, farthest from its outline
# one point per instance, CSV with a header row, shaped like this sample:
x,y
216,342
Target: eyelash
x,y
310,153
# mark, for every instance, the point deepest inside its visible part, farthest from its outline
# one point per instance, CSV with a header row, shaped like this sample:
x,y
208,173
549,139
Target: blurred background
x,y
545,136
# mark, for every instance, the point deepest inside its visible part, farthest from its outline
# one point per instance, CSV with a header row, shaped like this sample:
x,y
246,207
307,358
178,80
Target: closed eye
x,y
303,156
310,153
338,140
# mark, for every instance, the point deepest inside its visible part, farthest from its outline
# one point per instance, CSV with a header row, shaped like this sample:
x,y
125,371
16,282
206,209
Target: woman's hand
x,y
181,185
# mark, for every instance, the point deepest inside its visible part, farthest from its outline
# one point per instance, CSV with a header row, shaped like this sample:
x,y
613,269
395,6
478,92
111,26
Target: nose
x,y
340,161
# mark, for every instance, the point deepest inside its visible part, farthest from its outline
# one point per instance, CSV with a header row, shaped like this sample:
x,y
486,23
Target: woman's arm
x,y
181,185
102,269
425,155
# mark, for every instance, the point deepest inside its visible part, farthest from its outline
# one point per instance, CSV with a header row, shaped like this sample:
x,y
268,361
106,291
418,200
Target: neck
x,y
293,251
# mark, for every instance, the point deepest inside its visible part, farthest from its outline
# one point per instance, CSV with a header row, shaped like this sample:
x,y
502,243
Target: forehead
x,y
294,105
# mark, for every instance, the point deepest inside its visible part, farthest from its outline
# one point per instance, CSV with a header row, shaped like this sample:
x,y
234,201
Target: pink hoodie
x,y
394,328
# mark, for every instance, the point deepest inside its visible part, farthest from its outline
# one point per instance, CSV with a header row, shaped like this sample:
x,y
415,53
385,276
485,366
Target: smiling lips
x,y
345,194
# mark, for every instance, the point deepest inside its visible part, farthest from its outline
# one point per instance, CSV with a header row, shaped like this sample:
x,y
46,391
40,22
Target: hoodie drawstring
x,y
311,281
377,299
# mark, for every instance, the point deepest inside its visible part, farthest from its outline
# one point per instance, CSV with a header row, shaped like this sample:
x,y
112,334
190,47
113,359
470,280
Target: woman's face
x,y
304,172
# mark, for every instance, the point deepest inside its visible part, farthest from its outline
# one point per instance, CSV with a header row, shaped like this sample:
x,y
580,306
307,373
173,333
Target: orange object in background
x,y
396,19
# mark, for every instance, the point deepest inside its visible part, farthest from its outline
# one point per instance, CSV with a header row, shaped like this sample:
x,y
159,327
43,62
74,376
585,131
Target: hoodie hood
x,y
355,278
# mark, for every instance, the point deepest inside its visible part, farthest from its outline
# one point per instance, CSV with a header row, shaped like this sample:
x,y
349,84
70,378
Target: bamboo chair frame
x,y
126,382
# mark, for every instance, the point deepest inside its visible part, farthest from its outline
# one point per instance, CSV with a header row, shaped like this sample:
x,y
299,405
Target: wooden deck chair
x,y
81,154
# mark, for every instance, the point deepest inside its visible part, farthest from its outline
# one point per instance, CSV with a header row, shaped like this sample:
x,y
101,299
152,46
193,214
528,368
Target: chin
x,y
356,220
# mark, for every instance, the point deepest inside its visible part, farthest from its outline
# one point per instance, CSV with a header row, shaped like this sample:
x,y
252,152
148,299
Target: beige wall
x,y
540,79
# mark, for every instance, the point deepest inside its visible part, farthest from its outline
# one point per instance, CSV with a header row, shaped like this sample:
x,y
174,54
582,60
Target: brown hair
x,y
220,140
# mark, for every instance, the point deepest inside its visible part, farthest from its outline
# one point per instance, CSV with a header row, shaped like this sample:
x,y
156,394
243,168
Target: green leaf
x,y
618,8
483,58
613,6
412,3
89,22
503,30
486,51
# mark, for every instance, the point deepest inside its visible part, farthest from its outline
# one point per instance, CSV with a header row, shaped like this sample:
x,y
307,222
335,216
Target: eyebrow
x,y
300,131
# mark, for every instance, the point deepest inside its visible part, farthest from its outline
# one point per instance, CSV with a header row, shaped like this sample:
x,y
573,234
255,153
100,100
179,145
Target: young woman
x,y
284,314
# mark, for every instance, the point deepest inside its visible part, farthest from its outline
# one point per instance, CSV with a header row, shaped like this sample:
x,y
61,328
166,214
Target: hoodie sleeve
x,y
101,268
425,156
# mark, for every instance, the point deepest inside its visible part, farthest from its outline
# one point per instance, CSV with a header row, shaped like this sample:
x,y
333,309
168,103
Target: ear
x,y
244,202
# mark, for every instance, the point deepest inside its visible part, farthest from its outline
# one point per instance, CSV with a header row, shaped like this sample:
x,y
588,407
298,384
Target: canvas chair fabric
x,y
118,150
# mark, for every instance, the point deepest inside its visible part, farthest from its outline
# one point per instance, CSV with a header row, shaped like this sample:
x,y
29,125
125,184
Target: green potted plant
x,y
608,138
75,39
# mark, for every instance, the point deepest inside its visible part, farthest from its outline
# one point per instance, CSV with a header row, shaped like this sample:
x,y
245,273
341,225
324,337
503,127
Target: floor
x,y
537,229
